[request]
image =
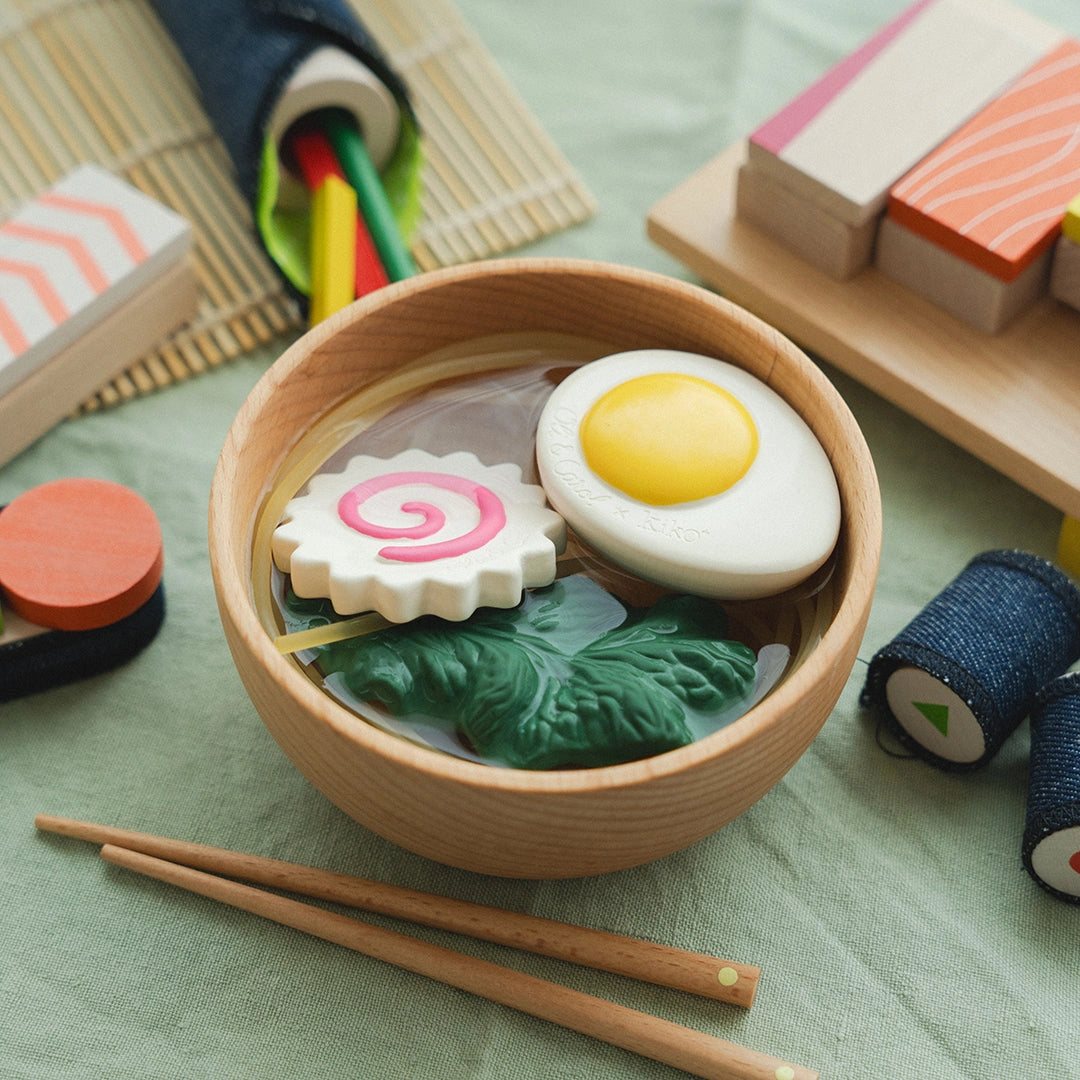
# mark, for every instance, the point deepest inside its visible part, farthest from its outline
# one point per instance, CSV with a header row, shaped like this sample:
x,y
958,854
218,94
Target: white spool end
x,y
1056,860
935,716
331,77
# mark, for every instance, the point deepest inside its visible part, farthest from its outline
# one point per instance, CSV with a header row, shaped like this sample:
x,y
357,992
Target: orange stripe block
x,y
11,331
78,251
110,215
39,281
995,192
73,255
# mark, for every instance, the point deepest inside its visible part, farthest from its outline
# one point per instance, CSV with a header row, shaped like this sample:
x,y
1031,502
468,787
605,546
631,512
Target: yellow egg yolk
x,y
668,438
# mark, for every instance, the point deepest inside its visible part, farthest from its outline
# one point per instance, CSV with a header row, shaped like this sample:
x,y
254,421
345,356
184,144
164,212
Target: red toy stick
x,y
316,160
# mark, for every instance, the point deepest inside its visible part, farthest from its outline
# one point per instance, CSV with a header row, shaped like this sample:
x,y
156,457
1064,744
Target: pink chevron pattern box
x,y
73,256
847,139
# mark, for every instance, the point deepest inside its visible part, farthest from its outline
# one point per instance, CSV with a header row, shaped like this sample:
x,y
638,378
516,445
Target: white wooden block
x,y
1065,272
972,295
833,246
847,139
73,256
60,385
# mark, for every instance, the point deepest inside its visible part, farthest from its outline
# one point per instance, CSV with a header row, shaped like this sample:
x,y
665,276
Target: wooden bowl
x,y
511,822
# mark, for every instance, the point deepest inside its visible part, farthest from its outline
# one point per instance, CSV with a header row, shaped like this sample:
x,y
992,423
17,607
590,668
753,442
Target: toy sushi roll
x,y
1051,846
960,678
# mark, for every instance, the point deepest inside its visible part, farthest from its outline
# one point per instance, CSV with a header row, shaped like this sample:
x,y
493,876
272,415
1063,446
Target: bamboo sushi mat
x,y
99,80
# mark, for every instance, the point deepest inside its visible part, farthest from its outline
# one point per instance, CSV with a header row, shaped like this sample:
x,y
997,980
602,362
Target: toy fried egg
x,y
689,472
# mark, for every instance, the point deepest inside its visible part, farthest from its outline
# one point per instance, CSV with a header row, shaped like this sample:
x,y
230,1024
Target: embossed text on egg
x,y
670,528
579,485
562,451
564,423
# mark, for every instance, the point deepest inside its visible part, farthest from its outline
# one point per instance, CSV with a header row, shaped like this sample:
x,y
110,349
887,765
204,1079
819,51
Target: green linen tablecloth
x,y
886,902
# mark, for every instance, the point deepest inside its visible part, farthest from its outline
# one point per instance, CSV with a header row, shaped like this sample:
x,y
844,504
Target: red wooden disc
x,y
78,554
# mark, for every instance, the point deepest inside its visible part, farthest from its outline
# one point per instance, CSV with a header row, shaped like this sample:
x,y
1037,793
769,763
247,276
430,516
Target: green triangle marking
x,y
938,715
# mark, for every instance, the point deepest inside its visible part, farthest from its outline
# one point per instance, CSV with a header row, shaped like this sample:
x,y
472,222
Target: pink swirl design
x,y
492,516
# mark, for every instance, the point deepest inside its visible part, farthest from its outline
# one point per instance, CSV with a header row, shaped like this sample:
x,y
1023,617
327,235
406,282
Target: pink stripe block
x,y
41,285
111,216
78,251
778,131
11,332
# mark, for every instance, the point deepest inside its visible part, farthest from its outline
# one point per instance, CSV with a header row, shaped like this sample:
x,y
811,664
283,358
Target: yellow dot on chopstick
x,y
785,1072
728,976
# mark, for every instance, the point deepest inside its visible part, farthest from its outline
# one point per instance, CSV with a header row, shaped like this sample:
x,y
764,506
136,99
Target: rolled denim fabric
x,y
1051,845
43,661
244,54
959,679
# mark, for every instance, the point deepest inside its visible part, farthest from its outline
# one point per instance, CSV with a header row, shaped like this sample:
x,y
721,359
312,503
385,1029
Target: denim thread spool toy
x,y
960,678
1051,846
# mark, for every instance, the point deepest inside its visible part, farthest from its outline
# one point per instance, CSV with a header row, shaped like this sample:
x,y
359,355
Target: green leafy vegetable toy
x,y
568,678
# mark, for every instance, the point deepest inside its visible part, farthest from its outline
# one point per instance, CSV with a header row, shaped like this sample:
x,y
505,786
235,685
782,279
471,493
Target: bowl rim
x,y
235,604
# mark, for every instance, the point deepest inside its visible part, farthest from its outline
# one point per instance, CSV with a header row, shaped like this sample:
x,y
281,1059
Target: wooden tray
x,y
1012,399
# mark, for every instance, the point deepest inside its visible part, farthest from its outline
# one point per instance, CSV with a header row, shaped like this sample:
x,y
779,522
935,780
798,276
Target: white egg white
x,y
770,530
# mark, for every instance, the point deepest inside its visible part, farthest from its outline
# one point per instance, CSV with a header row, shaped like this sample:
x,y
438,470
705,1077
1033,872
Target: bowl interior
x,y
371,352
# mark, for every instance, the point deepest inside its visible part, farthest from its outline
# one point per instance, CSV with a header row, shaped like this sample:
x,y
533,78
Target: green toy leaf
x,y
570,677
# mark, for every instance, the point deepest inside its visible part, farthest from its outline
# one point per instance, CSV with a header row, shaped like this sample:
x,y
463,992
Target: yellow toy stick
x,y
1068,549
333,248
1070,225
360,171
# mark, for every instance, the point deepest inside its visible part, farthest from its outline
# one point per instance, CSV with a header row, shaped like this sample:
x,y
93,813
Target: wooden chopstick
x,y
722,980
684,1048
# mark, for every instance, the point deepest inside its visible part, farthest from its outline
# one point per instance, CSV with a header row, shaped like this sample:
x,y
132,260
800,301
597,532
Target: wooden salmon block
x,y
1065,272
974,296
995,192
847,139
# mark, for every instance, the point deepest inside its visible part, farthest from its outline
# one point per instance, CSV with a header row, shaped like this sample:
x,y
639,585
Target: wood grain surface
x,y
1011,399
504,821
